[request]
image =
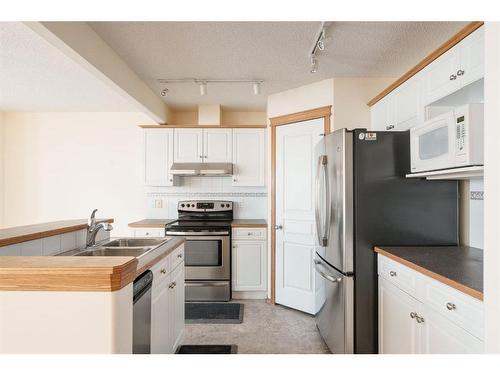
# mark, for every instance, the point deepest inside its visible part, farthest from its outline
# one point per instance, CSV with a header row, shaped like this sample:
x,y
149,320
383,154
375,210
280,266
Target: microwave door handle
x,y
317,207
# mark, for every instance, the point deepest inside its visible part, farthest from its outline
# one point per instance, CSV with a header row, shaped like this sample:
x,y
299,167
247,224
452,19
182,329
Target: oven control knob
x,y
182,205
227,205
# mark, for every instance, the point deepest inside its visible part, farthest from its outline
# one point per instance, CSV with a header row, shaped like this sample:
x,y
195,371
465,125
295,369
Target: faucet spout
x,y
93,228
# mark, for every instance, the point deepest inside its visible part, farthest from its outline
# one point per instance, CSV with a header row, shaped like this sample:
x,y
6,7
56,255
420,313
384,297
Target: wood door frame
x,y
312,114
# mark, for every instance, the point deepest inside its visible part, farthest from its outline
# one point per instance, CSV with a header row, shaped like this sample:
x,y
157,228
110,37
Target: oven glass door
x,y
207,257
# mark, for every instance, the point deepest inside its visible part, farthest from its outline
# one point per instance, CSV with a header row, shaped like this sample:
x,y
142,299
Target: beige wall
x,y
1,168
62,165
351,95
227,118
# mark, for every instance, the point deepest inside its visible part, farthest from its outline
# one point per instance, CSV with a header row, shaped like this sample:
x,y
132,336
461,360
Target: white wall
x,y
492,187
62,165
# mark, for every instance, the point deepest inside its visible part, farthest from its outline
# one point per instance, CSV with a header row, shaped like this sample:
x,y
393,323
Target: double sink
x,y
127,246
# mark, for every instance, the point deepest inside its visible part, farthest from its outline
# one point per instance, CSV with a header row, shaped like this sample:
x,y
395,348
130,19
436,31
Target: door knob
x,y
278,227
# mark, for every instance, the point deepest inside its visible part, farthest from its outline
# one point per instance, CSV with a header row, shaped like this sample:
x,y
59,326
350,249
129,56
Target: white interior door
x,y
295,241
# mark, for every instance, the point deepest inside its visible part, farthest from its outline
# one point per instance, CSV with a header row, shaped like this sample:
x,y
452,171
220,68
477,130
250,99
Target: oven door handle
x,y
220,283
194,234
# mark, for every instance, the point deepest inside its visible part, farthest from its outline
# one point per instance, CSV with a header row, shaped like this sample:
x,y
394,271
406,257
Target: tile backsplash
x,y
250,202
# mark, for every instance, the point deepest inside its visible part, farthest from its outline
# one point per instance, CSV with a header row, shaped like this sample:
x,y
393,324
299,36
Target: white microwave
x,y
451,140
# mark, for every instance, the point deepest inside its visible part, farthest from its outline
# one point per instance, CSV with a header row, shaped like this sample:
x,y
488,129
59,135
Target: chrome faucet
x,y
93,228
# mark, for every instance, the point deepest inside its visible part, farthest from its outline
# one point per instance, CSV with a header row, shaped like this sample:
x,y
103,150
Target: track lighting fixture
x,y
203,88
256,88
314,65
203,83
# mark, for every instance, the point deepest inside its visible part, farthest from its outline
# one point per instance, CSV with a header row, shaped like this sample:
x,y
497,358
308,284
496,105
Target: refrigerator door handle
x,y
328,202
317,207
320,269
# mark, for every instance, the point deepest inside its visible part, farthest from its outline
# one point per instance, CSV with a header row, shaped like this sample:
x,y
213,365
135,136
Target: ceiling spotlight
x,y
256,88
314,65
164,92
203,88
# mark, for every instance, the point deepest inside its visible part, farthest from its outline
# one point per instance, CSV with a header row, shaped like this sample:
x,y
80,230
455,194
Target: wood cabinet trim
x,y
450,43
202,126
15,235
310,114
463,288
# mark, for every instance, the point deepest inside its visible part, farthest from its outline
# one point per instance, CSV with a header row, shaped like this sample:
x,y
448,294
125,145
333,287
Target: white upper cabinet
x,y
408,109
458,67
217,145
188,145
440,77
404,107
158,157
401,109
472,57
249,157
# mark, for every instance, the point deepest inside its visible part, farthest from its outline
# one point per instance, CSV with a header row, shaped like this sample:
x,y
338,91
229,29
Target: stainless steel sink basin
x,y
134,242
114,251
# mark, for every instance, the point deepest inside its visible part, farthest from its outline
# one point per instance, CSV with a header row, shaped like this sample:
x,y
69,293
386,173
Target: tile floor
x,y
266,329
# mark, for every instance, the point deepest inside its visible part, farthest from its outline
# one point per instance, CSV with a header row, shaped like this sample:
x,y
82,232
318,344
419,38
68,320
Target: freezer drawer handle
x,y
331,278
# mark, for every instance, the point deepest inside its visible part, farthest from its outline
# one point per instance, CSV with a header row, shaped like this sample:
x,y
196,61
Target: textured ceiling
x,y
35,76
274,51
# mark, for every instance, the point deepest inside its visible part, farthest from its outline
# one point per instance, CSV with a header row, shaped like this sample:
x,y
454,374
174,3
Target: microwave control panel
x,y
460,135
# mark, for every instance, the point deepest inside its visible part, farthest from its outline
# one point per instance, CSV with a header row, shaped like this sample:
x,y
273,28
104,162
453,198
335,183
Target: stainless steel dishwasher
x,y
142,314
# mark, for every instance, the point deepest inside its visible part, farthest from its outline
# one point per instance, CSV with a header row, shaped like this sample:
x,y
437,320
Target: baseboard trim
x,y
250,295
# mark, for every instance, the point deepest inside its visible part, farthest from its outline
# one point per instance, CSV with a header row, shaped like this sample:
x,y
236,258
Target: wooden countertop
x,y
460,267
52,273
14,235
160,223
77,273
249,223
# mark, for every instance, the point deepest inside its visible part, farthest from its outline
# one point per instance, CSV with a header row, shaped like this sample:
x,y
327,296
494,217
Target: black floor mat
x,y
213,313
207,349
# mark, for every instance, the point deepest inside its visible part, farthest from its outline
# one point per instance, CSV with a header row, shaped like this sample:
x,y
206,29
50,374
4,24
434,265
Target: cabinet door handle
x,y
413,315
389,127
171,286
393,273
460,72
163,271
201,156
420,319
451,306
453,77
179,255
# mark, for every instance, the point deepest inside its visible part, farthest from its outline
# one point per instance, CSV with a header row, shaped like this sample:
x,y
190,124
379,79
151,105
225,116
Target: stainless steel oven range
x,y
206,226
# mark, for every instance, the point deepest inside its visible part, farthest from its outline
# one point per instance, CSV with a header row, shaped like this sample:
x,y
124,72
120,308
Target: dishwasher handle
x,y
142,284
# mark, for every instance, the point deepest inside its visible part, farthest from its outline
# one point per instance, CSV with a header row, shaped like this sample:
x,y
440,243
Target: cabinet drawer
x,y
149,232
463,310
176,257
249,233
161,271
399,275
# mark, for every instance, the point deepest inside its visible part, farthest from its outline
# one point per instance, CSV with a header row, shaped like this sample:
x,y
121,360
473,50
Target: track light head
x,y
321,45
203,89
256,88
314,65
164,92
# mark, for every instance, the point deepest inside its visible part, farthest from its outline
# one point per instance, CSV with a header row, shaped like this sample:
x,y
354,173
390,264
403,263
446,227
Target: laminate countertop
x,y
160,223
14,235
460,267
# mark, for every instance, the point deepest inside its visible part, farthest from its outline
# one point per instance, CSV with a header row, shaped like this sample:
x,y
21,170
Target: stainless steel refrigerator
x,y
362,200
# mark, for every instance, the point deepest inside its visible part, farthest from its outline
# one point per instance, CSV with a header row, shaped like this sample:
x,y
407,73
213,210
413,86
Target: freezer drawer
x,y
335,319
217,291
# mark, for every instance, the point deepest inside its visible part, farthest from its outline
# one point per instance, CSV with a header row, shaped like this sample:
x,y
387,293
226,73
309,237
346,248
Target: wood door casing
x,y
322,112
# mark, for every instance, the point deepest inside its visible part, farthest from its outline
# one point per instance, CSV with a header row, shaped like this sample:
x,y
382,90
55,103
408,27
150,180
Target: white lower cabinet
x,y
249,260
148,232
397,331
167,306
415,324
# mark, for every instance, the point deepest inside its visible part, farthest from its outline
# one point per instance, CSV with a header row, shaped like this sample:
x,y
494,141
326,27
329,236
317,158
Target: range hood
x,y
202,169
